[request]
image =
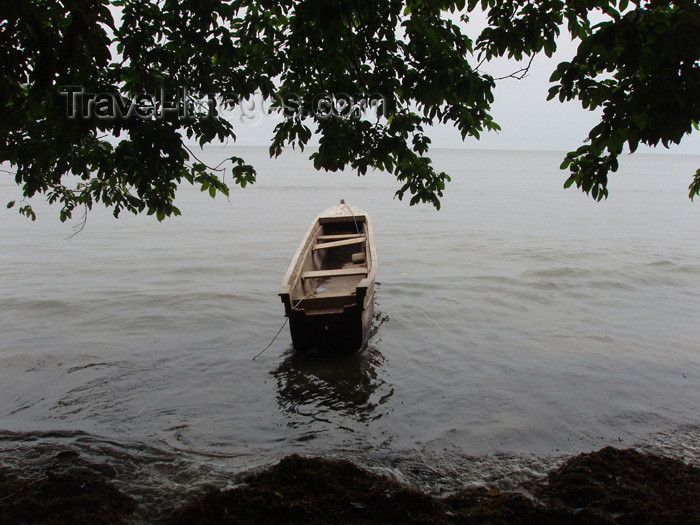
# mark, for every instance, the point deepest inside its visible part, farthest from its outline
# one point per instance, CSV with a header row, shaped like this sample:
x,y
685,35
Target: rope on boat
x,y
281,328
357,228
273,339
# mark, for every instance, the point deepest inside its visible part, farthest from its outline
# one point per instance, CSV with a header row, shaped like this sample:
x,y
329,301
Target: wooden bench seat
x,y
315,274
339,236
335,244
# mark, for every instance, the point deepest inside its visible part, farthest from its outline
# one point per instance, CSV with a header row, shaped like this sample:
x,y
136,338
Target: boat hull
x,y
328,290
336,332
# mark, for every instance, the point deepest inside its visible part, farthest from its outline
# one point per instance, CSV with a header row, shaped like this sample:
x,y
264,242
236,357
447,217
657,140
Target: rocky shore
x,y
610,486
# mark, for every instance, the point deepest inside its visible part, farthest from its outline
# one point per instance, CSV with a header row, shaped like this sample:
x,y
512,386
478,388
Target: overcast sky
x,y
530,122
527,119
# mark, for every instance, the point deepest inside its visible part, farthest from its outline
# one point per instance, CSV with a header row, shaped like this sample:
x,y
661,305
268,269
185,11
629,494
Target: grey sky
x,y
527,119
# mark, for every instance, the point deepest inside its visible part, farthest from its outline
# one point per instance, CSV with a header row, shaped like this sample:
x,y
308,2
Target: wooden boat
x,y
328,290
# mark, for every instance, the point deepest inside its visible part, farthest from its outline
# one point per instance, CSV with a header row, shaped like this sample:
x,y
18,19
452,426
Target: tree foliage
x,y
99,99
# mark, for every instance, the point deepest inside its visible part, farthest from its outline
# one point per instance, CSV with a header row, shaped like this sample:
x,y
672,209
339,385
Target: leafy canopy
x,y
99,99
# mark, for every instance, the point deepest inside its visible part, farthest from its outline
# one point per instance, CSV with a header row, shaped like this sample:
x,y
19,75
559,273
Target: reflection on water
x,y
325,387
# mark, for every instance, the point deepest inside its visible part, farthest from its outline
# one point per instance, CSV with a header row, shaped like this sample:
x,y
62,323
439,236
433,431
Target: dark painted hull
x,y
338,332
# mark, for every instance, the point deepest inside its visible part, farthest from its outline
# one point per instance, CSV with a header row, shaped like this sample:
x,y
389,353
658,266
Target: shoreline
x,y
610,485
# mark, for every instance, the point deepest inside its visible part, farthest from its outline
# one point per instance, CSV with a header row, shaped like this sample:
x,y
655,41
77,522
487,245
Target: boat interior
x,y
334,264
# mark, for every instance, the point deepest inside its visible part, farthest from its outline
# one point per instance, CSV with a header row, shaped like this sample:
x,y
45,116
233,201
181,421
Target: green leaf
x,y
695,186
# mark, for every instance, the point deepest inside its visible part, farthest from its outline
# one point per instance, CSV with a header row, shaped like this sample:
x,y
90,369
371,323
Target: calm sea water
x,y
519,324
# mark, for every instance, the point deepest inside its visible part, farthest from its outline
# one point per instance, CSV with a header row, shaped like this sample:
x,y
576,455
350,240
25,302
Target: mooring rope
x,y
273,339
281,328
357,228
